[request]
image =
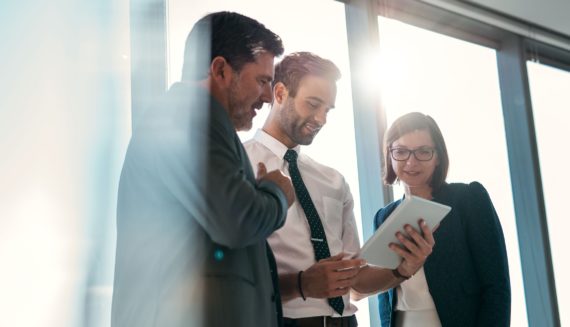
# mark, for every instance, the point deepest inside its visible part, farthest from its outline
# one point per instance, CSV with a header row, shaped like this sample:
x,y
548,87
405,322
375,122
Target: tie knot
x,y
290,156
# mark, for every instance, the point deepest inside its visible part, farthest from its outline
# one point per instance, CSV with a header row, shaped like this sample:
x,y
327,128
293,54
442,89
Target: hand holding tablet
x,y
376,250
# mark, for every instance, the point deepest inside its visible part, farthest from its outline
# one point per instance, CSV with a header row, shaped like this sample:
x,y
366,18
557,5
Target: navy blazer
x,y
467,273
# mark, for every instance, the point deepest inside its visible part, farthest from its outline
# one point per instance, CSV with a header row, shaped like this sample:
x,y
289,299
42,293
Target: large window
x,y
456,83
551,106
301,30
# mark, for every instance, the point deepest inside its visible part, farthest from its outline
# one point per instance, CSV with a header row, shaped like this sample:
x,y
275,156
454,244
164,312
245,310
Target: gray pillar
x,y
148,53
369,118
536,259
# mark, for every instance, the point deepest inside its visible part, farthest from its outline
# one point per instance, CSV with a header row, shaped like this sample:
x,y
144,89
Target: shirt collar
x,y
273,144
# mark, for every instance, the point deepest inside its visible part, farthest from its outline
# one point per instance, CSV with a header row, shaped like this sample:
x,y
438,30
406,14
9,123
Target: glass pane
x,y
325,37
551,104
64,128
456,83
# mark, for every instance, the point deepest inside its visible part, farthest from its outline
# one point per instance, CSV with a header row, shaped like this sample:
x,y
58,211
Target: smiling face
x,y
250,88
413,173
302,117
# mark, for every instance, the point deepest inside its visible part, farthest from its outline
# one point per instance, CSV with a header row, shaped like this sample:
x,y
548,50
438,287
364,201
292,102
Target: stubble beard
x,y
292,125
239,114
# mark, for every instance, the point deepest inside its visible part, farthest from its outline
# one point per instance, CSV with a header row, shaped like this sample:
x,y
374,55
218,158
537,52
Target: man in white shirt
x,y
313,279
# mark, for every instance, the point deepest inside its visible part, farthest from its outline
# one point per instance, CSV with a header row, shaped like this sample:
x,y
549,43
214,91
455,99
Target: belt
x,y
322,321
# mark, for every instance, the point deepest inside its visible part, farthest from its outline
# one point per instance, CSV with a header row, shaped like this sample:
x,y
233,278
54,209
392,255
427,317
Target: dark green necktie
x,y
318,237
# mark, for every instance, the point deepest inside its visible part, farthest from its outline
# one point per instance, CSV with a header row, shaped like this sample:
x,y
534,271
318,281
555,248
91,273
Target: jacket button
x,y
219,255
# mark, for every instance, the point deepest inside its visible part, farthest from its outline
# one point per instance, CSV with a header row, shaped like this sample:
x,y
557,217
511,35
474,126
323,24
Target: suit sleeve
x,y
211,183
487,245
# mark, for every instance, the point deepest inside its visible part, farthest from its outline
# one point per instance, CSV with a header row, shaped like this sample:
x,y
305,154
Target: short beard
x,y
234,107
289,123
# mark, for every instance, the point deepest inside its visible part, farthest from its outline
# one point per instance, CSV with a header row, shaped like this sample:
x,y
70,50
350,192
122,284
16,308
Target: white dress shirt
x,y
291,244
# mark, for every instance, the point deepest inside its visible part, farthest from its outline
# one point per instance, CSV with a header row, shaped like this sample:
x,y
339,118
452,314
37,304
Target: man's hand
x,y
330,277
416,248
277,177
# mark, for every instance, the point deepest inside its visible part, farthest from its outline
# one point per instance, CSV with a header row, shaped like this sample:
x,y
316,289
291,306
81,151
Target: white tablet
x,y
376,251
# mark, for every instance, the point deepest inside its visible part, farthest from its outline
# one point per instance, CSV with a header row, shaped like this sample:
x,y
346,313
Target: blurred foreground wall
x,y
64,127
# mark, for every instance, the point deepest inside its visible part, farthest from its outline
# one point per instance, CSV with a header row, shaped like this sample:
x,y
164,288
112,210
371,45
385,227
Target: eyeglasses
x,y
403,154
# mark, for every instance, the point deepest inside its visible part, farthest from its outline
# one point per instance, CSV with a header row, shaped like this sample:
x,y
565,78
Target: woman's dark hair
x,y
406,124
237,38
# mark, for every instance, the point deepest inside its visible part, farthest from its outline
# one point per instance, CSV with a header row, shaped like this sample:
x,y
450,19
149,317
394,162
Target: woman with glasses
x,y
465,280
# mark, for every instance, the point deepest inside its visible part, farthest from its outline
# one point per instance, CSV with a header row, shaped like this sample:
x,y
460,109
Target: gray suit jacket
x,y
192,222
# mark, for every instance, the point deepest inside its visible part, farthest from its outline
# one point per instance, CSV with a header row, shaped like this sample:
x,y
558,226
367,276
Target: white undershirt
x,y
413,294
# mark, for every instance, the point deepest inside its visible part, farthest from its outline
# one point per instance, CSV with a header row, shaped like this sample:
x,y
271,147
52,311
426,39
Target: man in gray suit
x,y
192,220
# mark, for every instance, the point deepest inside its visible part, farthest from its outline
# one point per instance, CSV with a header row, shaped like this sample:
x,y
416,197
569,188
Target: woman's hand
x,y
415,250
